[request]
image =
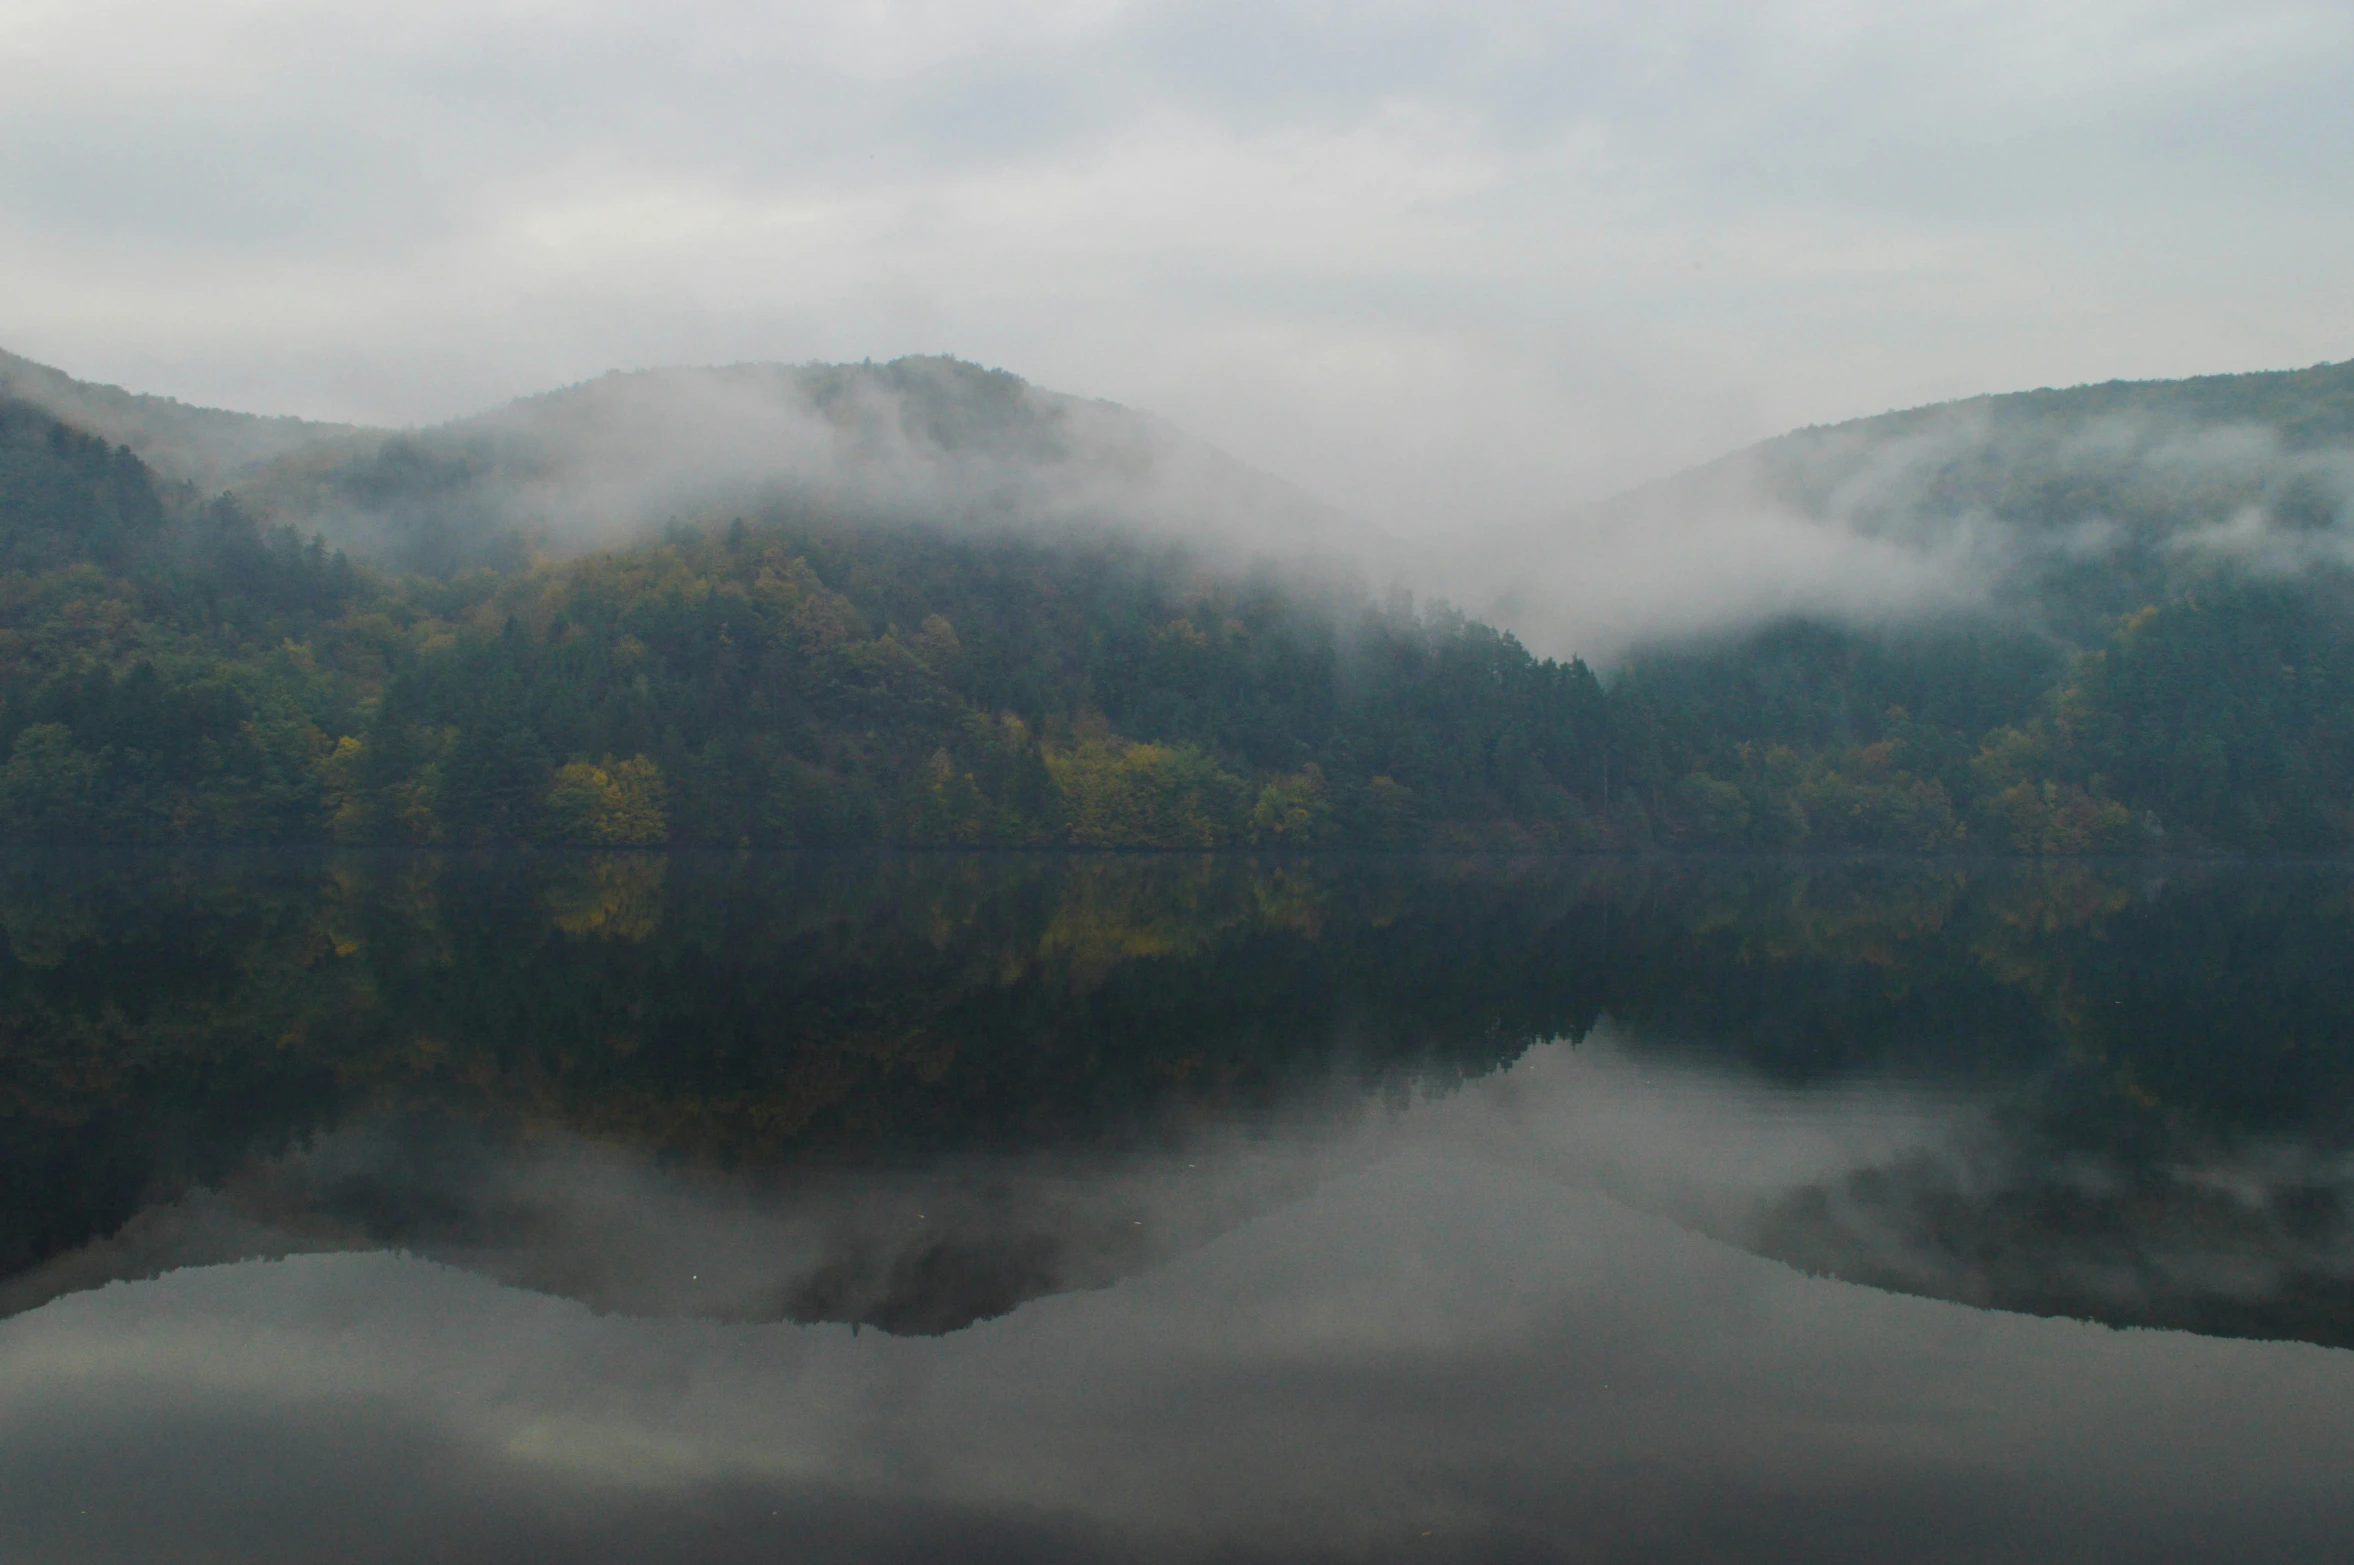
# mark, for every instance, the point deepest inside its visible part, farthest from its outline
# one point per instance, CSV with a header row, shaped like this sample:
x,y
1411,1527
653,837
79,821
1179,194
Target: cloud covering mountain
x,y
1448,265
2052,510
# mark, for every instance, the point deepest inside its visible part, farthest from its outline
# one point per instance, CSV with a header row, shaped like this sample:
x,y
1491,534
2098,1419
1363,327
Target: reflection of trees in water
x,y
611,897
165,1020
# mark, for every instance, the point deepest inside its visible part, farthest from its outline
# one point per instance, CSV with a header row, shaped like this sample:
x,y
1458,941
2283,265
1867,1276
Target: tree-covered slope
x,y
2126,622
786,678
968,664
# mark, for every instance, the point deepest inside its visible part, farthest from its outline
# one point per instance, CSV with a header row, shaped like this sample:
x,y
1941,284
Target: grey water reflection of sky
x,y
1433,1336
1445,263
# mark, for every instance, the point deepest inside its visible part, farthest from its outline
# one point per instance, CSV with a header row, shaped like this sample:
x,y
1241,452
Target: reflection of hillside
x,y
167,1018
167,1024
910,1251
2243,1251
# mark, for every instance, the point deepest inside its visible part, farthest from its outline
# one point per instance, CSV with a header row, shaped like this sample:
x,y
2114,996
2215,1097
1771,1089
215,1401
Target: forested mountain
x,y
923,440
926,603
2053,510
2111,615
172,670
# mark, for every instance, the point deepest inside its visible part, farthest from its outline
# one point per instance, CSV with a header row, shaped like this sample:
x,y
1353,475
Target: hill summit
x,y
927,440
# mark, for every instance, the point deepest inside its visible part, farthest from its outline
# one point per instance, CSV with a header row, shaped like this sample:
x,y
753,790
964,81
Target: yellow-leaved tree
x,y
610,804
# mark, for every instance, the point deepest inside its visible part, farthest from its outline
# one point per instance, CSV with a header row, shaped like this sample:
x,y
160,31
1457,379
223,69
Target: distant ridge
x,y
2314,405
210,448
2304,408
927,440
612,459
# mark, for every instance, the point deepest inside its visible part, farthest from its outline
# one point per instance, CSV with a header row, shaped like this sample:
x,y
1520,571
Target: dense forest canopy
x,y
972,626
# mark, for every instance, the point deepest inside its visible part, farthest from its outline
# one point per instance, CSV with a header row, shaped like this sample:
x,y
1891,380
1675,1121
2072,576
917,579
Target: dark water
x,y
1162,1209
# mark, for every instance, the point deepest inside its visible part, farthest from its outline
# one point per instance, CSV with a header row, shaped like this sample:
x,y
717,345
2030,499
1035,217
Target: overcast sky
x,y
1442,263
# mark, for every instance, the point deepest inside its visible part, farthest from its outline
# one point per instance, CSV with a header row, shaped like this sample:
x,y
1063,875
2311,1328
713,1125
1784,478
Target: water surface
x,y
1019,1207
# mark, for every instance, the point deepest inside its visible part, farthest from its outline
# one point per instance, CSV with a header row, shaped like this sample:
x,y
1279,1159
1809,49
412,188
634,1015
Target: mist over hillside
x,y
210,448
2051,512
615,460
928,441
924,602
2045,514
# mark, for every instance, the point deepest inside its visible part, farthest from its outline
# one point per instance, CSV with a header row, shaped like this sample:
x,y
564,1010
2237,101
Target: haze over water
x,y
615,1207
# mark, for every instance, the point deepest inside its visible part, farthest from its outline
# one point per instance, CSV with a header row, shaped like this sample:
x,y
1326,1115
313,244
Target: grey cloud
x,y
395,213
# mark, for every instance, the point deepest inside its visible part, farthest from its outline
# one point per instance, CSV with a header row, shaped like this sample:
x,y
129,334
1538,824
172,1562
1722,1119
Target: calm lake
x,y
619,1208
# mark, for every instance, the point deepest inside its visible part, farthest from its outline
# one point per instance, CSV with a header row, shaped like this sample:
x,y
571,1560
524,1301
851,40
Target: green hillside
x,y
2153,651
786,678
811,665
